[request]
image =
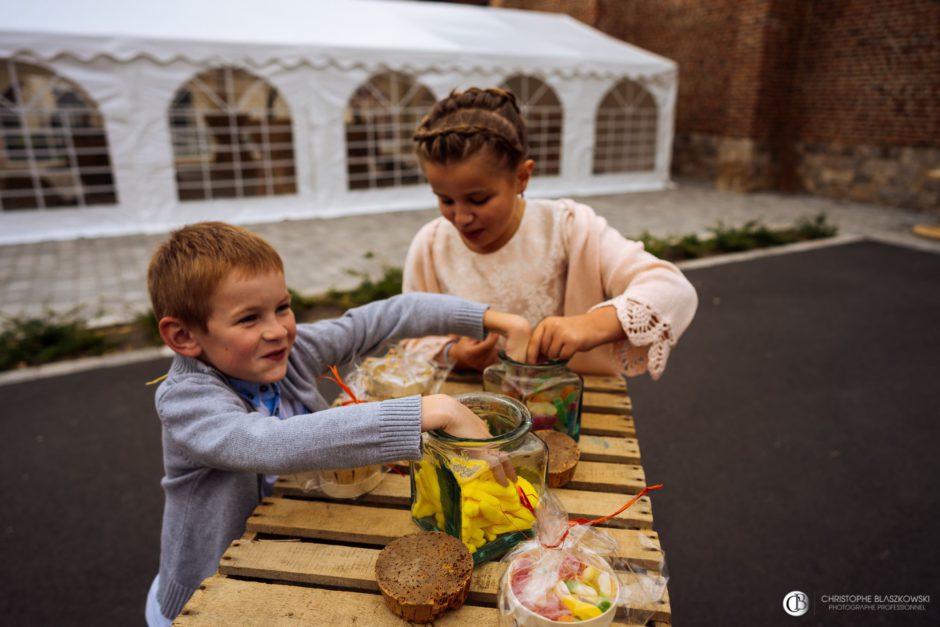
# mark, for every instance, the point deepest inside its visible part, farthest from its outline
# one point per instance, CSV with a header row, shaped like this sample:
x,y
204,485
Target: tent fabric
x,y
341,33
131,58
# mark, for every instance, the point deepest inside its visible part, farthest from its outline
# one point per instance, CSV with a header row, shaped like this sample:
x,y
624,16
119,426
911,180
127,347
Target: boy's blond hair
x,y
186,269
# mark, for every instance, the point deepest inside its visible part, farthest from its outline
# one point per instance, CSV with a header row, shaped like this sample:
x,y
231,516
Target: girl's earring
x,y
522,194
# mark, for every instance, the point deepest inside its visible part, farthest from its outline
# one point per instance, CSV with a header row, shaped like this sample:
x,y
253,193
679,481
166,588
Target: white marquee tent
x,y
122,117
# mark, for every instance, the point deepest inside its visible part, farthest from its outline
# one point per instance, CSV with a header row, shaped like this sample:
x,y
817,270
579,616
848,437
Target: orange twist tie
x,y
338,380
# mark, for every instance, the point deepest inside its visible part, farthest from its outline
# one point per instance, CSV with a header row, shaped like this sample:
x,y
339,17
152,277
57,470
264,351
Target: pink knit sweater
x,y
563,260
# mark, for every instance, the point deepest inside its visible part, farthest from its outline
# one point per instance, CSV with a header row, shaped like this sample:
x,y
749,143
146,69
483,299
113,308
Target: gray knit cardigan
x,y
216,447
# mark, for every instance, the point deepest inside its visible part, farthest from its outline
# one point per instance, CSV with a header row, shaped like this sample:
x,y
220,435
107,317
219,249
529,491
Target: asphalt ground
x,y
795,431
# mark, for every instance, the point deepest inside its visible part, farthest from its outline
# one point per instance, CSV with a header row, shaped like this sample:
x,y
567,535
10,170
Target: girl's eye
x,y
283,307
480,201
445,201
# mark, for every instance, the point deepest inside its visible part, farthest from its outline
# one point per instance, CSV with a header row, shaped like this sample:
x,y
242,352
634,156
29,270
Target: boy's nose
x,y
275,331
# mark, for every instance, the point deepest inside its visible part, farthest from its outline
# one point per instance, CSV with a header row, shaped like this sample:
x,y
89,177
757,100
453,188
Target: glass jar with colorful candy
x,y
550,391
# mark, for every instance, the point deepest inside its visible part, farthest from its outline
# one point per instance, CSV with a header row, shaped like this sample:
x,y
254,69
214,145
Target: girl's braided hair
x,y
469,122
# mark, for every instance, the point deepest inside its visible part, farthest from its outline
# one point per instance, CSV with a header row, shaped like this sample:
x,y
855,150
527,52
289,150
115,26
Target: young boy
x,y
240,403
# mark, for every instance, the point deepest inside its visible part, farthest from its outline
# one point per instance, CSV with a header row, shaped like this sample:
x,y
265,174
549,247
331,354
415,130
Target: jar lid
x,y
551,363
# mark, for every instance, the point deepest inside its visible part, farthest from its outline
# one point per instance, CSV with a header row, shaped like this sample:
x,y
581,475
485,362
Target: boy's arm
x,y
362,330
209,426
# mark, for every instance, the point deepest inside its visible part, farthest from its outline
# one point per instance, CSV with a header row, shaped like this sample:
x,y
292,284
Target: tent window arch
x,y
381,118
232,137
625,130
544,117
54,151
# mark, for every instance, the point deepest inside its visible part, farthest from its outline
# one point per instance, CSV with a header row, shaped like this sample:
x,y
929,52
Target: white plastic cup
x,y
524,617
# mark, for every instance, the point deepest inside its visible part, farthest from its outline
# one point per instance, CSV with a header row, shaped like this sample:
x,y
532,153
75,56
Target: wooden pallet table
x,y
307,560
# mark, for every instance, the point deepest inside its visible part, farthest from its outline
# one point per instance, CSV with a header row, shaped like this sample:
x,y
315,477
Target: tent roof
x,y
344,33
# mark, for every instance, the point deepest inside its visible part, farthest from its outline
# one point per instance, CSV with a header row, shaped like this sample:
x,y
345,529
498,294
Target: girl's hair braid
x,y
468,122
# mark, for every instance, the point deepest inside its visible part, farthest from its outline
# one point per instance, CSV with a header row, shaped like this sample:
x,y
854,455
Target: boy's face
x,y
251,329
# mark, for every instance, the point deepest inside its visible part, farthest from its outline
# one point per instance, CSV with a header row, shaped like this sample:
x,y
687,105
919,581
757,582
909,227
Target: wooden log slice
x,y
563,455
422,576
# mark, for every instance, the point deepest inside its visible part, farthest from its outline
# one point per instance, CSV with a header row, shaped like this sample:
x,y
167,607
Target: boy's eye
x,y
445,201
480,200
247,319
283,307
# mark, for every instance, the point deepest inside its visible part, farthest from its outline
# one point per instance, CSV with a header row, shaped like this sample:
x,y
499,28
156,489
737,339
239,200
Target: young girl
x,y
593,296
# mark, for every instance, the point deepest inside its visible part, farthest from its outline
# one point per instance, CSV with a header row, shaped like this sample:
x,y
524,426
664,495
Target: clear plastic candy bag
x,y
394,375
343,483
572,573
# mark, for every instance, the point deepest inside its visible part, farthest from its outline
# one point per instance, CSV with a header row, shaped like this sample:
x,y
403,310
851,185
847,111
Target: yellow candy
x,y
471,507
590,573
580,609
423,510
466,470
491,513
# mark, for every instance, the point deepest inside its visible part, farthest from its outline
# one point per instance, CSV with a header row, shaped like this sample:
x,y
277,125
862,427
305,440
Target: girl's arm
x,y
613,282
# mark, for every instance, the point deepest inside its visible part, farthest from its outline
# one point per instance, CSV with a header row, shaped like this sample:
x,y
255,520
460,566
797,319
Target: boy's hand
x,y
467,352
515,329
558,337
439,411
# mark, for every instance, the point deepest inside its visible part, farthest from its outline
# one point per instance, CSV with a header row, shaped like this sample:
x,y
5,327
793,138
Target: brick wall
x,y
835,97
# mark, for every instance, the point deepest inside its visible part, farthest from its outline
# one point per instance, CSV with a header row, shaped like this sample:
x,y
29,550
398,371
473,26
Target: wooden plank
x,y
660,611
330,521
342,566
606,403
618,425
227,601
607,477
378,525
608,449
596,383
395,489
581,504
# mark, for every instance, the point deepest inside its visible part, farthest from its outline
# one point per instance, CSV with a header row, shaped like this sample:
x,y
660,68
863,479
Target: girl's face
x,y
481,201
251,329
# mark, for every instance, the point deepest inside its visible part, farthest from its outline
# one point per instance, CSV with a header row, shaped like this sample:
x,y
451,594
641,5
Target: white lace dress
x,y
530,276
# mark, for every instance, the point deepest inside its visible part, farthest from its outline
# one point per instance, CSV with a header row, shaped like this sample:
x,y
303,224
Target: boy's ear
x,y
524,174
178,337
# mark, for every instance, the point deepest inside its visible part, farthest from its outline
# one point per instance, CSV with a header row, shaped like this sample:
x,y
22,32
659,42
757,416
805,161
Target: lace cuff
x,y
649,338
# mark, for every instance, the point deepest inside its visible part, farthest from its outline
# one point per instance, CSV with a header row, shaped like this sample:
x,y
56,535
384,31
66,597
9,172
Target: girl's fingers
x,y
535,344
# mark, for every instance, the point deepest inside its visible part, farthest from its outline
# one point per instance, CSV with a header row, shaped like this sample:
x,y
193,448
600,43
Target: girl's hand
x,y
558,337
467,352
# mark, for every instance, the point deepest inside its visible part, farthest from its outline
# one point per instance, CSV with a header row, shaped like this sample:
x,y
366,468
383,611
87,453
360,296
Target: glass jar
x,y
550,391
453,487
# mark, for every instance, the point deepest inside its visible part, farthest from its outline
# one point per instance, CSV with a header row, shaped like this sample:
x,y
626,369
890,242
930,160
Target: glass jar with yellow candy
x,y
466,488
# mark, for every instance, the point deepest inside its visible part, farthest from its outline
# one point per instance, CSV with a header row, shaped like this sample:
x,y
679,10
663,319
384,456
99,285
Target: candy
x,y
487,508
581,591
